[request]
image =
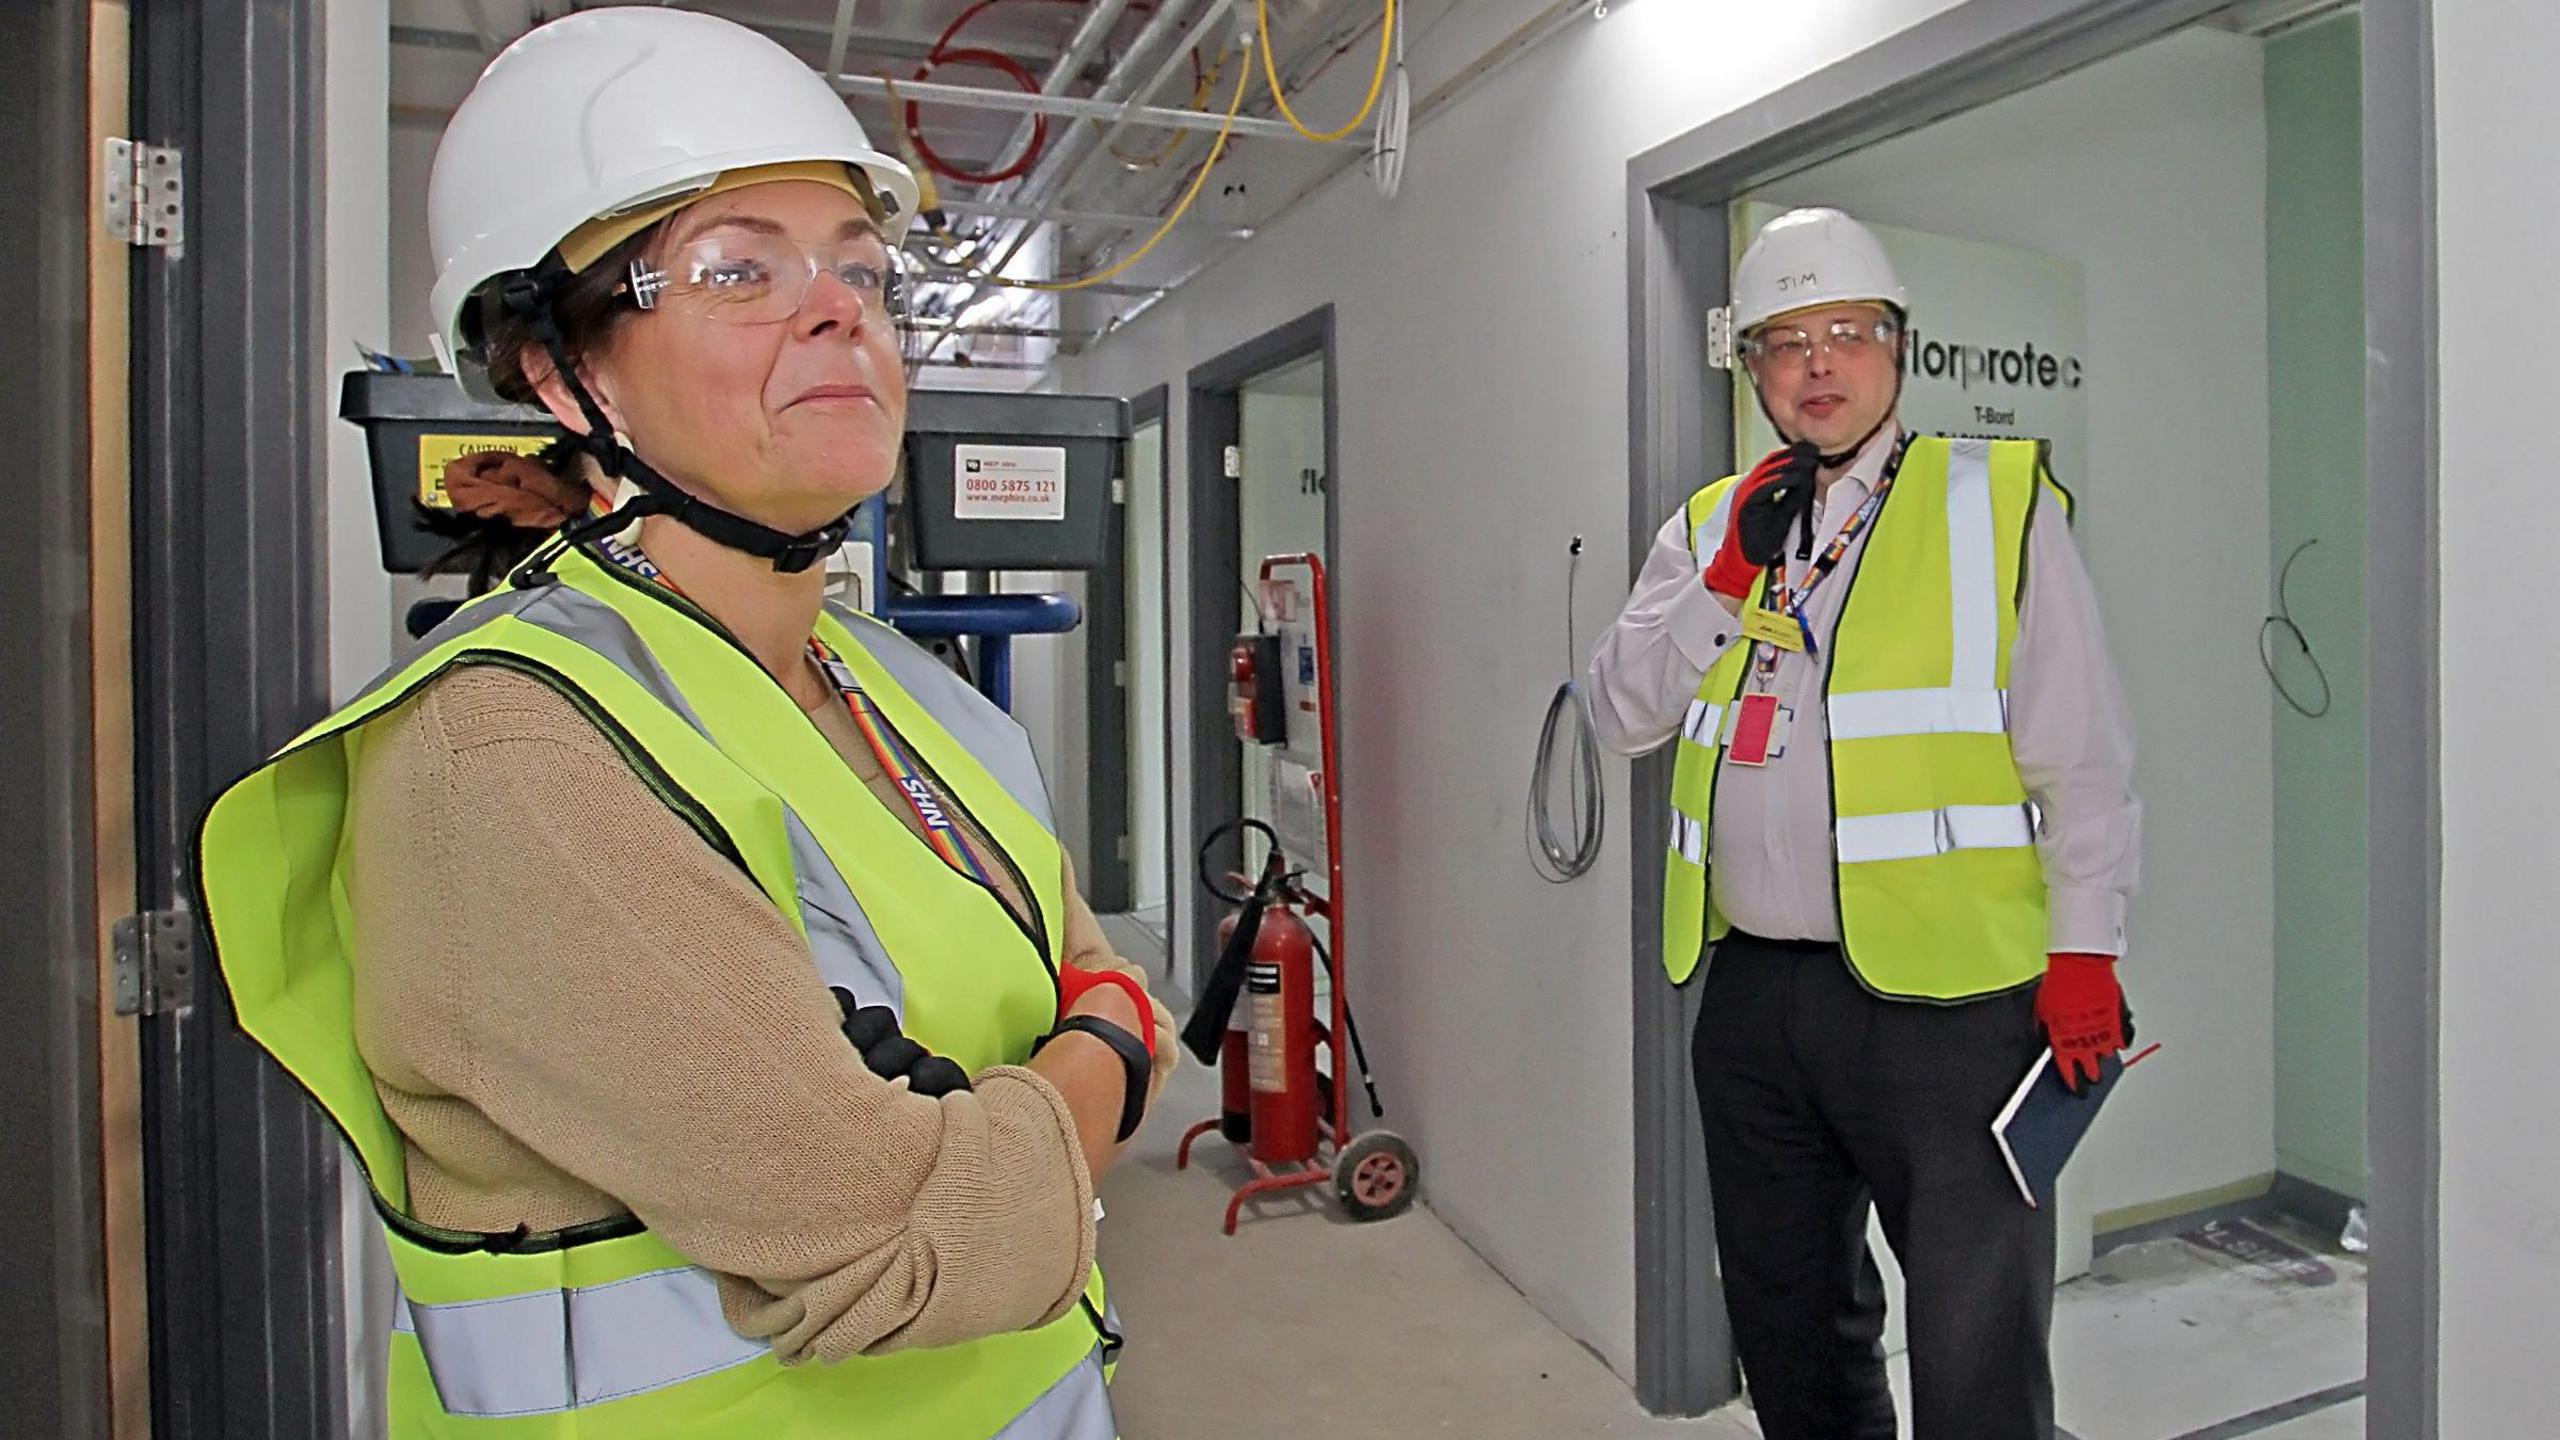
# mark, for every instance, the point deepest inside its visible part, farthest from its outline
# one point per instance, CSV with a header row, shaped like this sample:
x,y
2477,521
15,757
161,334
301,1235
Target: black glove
x,y
1782,505
888,1053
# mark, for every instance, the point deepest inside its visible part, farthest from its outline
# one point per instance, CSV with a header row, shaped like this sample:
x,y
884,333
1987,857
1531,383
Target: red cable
x,y
943,54
1021,164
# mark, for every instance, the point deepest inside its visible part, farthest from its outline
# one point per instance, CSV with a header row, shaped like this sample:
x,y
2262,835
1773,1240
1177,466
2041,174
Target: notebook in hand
x,y
2043,1122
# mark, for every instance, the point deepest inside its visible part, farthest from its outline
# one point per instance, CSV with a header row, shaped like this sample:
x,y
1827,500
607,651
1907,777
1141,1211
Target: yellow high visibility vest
x,y
1940,891
605,1330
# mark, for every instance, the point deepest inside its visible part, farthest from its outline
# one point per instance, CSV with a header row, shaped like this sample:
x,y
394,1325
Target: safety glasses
x,y
751,279
1787,348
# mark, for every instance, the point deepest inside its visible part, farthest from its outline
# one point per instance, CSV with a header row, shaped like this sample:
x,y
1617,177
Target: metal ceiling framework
x,y
1107,72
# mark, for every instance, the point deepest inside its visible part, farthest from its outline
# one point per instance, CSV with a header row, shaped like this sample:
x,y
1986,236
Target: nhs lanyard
x,y
1779,598
941,832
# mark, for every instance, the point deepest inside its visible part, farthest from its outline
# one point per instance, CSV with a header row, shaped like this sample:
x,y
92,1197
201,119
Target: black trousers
x,y
1819,1100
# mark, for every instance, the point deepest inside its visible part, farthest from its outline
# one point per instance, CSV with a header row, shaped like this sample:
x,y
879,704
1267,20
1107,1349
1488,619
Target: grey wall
x,y
2173,525
2497,228
2315,334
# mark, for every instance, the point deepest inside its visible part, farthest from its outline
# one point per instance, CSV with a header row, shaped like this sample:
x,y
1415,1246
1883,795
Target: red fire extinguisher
x,y
1280,1052
1257,1020
1257,1016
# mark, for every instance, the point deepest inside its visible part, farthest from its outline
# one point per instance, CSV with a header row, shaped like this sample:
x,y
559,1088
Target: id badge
x,y
1757,725
1773,627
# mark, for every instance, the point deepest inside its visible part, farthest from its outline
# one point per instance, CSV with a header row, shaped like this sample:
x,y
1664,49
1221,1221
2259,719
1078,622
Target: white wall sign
x,y
1995,346
1009,482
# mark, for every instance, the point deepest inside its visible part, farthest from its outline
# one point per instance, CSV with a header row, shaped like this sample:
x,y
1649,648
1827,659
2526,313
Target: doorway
x,y
2013,140
1262,462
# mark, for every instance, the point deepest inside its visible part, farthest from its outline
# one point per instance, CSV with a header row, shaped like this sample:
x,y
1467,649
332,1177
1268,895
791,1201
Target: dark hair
x,y
588,307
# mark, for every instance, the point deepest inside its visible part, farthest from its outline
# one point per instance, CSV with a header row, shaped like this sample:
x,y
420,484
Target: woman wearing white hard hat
x,y
694,968
1902,839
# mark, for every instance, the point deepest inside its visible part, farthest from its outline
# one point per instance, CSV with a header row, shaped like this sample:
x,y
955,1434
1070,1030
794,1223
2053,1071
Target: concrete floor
x,y
1303,1320
2176,1338
1305,1323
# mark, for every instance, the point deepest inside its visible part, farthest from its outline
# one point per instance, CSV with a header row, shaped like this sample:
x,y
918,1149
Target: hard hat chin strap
x,y
527,296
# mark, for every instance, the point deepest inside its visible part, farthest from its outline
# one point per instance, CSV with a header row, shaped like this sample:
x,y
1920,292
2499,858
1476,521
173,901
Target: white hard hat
x,y
1806,258
609,112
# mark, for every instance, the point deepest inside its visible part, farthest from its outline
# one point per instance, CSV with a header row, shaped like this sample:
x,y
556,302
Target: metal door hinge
x,y
146,191
1235,462
1720,337
155,963
1120,847
1120,673
1119,491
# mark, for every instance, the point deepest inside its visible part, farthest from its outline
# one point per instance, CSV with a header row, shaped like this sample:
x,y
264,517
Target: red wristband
x,y
1074,983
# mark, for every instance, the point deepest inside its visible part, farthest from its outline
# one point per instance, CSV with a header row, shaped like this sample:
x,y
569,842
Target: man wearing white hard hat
x,y
1902,839
694,967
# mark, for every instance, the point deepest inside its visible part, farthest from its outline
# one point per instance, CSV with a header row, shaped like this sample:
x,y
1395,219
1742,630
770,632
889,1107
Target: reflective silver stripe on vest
x,y
1078,1407
1972,702
846,950
1688,839
1702,723
1973,569
561,1349
1915,834
985,731
1880,714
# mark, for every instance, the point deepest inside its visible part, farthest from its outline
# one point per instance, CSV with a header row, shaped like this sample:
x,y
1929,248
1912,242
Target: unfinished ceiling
x,y
1063,134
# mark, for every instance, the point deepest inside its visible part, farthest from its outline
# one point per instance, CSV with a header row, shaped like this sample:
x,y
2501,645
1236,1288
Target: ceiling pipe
x,y
1537,30
1039,188
1074,107
1332,20
1132,107
1090,33
842,35
1120,87
999,210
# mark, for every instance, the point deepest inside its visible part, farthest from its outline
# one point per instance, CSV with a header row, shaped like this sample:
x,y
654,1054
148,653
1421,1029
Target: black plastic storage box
x,y
414,426
1011,482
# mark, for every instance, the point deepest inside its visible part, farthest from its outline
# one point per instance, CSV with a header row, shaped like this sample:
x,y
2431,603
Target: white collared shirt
x,y
1771,860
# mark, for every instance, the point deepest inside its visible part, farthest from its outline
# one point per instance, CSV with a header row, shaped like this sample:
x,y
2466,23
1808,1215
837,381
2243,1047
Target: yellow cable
x,y
1244,77
1377,82
1200,94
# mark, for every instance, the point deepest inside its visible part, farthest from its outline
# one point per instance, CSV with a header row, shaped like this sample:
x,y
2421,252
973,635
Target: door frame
x,y
1680,428
1216,420
1155,407
72,1171
231,660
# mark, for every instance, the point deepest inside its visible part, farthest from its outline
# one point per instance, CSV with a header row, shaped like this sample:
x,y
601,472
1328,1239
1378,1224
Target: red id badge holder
x,y
1755,731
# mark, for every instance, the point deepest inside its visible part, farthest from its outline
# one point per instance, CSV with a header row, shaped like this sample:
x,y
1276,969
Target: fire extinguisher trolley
x,y
1268,1060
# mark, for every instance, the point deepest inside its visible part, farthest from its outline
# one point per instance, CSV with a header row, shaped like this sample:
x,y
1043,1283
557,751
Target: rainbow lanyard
x,y
1781,598
941,832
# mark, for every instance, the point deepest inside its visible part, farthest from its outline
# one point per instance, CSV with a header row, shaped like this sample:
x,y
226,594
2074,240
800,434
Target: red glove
x,y
1074,983
1730,572
2083,1013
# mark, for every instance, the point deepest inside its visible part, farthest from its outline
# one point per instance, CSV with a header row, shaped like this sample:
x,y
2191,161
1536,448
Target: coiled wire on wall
x,y
1562,858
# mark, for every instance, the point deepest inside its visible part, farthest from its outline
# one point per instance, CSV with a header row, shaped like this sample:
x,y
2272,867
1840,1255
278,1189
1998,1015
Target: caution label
x,y
437,451
1009,482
